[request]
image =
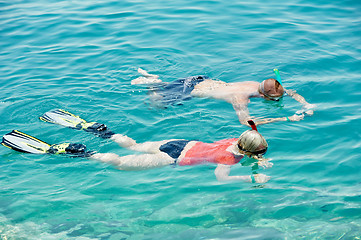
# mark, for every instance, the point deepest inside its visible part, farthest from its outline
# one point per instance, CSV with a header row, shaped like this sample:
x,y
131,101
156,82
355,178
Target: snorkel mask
x,y
252,142
273,97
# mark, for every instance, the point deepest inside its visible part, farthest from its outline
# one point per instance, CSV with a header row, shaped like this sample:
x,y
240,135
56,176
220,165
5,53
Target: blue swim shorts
x,y
177,91
174,148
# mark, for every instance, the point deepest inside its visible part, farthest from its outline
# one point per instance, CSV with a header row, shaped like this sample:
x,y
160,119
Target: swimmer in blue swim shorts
x,y
238,94
175,92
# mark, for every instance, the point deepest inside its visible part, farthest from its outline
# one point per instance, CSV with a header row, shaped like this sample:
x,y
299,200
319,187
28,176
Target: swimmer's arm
x,y
243,116
296,96
222,173
307,107
240,106
293,118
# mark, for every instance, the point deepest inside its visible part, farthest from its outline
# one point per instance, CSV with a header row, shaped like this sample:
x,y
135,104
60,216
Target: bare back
x,y
241,91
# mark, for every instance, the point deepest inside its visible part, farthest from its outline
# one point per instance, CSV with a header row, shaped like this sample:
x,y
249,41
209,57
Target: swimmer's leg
x,y
155,99
135,162
147,78
147,147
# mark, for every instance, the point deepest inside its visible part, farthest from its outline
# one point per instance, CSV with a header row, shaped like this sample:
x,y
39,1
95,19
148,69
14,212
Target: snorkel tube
x,y
252,124
278,76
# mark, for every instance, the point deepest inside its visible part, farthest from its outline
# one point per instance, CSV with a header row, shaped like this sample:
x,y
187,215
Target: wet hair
x,y
271,88
252,142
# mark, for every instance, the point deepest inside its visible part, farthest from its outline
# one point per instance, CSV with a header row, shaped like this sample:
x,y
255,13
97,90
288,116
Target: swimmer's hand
x,y
307,109
261,178
295,118
265,163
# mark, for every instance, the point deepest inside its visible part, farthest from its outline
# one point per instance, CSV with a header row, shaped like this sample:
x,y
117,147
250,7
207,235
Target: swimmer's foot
x,y
99,129
146,74
147,78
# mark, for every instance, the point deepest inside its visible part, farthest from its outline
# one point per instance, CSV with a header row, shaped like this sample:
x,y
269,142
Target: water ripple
x,y
81,56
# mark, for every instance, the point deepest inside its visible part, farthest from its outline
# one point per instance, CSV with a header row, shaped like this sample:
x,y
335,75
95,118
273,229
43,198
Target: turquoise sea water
x,y
82,55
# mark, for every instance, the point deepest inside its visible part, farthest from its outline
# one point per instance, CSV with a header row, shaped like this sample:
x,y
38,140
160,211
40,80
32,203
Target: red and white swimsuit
x,y
216,152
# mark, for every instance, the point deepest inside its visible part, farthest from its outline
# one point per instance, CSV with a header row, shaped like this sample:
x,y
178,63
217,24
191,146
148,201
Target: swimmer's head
x,y
271,89
252,142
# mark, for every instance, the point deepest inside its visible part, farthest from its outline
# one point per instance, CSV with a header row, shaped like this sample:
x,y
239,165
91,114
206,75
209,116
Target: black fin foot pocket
x,y
99,129
72,149
78,150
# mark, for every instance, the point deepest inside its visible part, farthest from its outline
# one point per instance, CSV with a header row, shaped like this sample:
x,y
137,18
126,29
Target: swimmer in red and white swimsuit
x,y
224,153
